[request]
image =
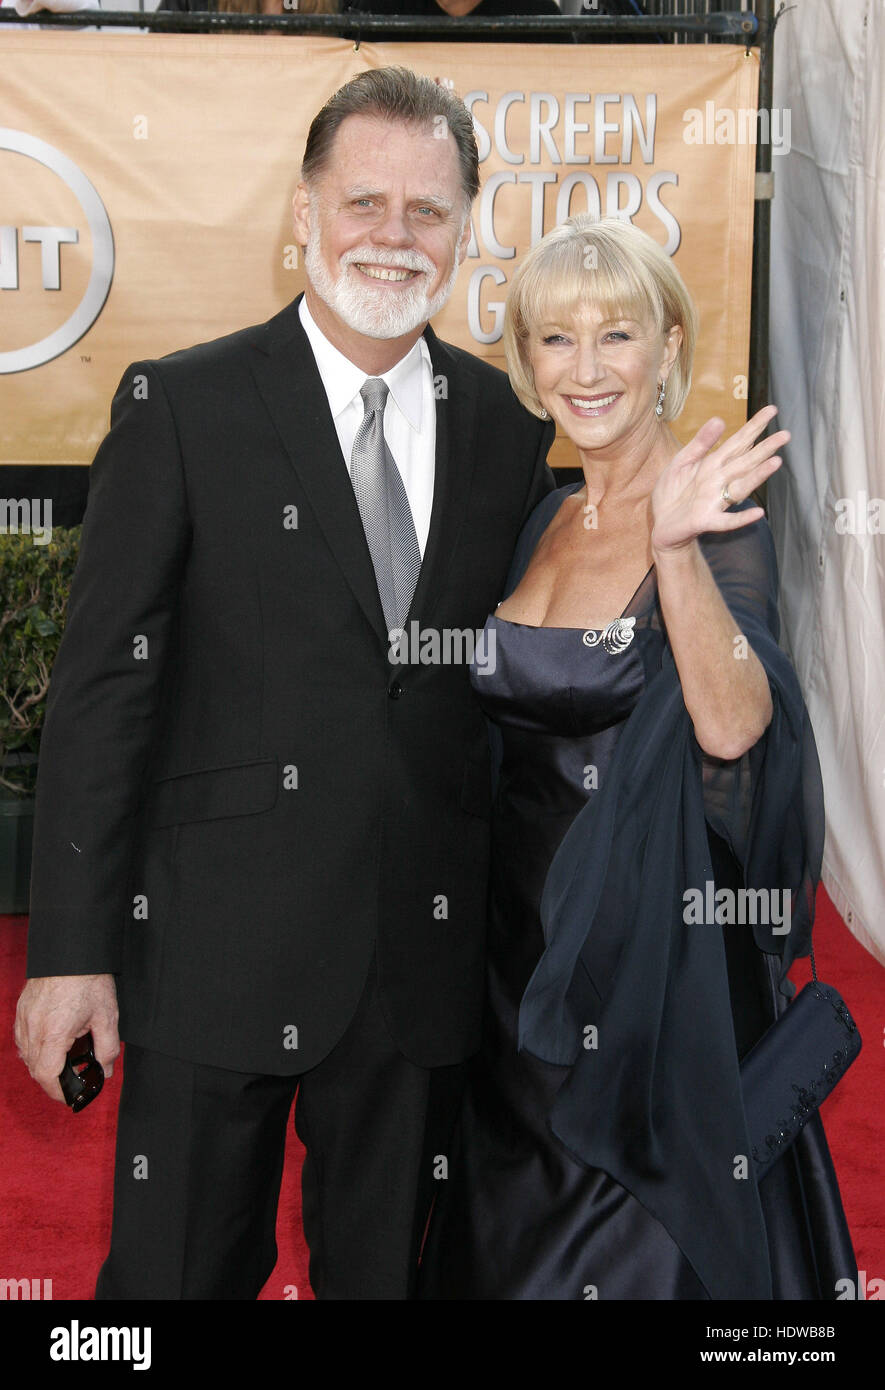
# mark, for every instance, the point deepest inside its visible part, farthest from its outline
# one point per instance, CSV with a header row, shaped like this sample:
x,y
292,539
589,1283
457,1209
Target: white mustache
x,y
391,260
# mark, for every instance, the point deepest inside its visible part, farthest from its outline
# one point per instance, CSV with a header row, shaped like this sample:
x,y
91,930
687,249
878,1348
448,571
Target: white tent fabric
x,y
828,379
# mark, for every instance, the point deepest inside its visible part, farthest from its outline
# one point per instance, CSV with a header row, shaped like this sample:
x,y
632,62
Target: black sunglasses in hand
x,y
83,1076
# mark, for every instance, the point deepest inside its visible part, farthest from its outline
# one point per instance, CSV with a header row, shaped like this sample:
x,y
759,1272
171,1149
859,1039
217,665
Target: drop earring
x,y
544,415
659,408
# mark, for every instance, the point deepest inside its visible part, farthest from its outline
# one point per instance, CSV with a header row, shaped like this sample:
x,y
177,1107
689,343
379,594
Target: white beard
x,y
375,313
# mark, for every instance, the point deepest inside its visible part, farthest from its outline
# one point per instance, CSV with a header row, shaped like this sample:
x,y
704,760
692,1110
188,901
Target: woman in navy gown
x,y
649,739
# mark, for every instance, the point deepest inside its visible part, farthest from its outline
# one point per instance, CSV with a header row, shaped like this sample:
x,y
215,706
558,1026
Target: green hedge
x,y
35,581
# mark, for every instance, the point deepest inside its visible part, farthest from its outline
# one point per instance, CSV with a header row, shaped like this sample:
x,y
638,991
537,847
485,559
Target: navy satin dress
x,y
518,1217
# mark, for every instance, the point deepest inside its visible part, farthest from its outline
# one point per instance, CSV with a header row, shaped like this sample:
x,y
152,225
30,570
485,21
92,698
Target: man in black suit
x,y
261,820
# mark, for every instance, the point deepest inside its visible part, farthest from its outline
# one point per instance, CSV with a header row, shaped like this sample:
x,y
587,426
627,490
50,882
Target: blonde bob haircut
x,y
613,266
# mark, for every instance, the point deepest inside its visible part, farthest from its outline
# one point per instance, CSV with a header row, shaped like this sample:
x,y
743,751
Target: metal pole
x,y
758,386
734,25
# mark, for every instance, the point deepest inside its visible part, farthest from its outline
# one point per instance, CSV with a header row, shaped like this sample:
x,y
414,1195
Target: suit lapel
x,y
287,378
455,460
286,374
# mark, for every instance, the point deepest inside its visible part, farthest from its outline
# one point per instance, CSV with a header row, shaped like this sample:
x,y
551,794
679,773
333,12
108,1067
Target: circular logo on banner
x,y
92,303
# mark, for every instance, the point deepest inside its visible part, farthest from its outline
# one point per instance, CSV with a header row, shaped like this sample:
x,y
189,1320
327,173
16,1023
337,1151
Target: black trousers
x,y
200,1158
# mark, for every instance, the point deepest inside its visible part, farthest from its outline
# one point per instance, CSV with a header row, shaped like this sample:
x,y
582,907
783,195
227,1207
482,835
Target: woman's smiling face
x,y
597,377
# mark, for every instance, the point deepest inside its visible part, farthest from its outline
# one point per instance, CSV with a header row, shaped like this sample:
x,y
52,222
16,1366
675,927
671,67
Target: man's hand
x,y
53,1012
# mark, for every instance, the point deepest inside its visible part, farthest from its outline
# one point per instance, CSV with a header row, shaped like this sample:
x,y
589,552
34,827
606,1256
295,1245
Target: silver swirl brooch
x,y
615,638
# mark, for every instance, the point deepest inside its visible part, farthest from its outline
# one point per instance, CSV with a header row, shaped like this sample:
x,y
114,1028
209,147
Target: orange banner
x,y
146,182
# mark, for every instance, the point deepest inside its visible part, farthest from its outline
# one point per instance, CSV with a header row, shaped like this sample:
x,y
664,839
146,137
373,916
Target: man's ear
x,y
301,214
465,239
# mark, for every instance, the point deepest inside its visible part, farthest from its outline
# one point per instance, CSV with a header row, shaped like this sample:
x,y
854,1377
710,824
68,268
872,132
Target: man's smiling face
x,y
384,227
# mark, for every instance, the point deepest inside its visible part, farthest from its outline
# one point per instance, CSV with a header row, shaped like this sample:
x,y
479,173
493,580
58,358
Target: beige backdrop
x,y
192,144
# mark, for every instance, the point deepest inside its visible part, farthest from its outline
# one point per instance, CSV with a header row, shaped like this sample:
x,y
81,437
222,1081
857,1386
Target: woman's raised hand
x,y
702,481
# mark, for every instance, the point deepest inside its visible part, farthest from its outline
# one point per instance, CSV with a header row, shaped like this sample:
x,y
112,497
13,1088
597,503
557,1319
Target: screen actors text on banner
x,y
606,130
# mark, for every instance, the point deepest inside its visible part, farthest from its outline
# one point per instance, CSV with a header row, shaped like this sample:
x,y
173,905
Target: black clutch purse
x,y
793,1067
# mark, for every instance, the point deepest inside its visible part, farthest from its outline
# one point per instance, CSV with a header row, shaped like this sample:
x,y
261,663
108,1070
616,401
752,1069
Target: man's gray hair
x,y
395,94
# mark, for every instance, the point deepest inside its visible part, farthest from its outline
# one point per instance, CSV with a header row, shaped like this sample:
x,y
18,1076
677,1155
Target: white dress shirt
x,y
409,416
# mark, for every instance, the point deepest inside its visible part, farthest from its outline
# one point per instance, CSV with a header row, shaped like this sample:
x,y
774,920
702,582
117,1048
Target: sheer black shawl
x,y
656,1103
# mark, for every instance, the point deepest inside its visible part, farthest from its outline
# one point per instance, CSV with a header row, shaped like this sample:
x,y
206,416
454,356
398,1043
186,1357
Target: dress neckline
x,y
547,627
568,491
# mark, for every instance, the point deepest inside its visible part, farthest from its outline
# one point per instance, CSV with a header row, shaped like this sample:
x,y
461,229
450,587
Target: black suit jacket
x,y
239,796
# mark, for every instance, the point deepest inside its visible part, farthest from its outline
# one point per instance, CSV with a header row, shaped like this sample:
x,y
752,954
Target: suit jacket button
x,y
394,690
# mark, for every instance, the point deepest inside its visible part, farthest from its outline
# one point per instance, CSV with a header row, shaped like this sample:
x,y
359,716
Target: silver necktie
x,y
384,508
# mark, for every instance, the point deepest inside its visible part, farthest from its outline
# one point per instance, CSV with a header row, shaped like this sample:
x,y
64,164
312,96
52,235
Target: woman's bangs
x,y
578,273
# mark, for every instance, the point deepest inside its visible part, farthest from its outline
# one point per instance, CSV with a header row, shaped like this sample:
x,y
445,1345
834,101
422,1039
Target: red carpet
x,y
58,1168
